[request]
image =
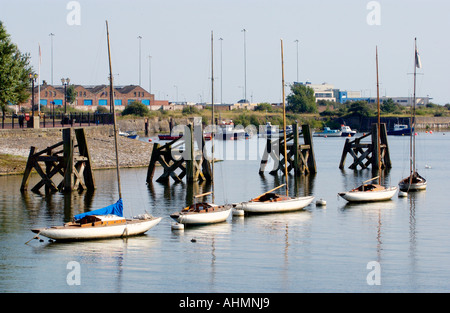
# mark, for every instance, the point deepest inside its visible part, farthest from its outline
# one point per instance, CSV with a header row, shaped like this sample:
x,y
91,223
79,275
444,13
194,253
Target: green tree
x,y
136,108
14,72
71,94
264,107
361,109
301,99
389,106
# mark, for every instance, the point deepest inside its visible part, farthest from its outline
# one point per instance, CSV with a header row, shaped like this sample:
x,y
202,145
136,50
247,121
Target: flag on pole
x,y
418,62
39,80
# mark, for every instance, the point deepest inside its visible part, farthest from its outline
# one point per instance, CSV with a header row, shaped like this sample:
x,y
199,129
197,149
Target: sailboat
x,y
107,222
204,212
270,202
372,192
414,181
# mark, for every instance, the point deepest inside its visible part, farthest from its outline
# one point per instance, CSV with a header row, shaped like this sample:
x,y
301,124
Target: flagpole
x,y
39,84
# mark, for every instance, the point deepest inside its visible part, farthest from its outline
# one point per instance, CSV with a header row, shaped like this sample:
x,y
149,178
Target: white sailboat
x,y
204,212
107,222
414,181
270,202
372,192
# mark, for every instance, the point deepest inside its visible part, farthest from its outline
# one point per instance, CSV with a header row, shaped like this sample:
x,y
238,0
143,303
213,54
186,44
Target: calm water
x,y
315,250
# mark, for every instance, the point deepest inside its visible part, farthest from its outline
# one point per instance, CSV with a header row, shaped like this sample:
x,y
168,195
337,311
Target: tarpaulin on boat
x,y
116,209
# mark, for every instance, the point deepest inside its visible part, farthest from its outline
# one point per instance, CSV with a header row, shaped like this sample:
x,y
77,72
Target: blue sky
x,y
337,44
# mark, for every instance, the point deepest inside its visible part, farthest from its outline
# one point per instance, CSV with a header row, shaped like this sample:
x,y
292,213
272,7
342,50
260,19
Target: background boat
x,y
328,132
401,130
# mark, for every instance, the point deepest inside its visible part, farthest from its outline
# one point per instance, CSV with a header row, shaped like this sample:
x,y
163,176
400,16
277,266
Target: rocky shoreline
x,y
15,148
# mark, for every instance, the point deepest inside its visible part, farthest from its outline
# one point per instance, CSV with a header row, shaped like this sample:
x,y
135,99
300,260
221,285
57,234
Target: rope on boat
x,y
35,237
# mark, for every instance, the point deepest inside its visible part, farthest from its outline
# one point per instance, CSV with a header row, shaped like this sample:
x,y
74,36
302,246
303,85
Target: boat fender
x,y
177,226
321,202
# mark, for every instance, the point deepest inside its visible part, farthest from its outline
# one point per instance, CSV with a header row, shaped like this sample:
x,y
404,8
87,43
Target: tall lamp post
x,y
245,66
33,77
140,38
65,82
51,41
296,41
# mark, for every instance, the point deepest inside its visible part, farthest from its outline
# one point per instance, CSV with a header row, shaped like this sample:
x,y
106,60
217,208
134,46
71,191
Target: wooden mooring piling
x,y
300,156
75,168
365,153
190,161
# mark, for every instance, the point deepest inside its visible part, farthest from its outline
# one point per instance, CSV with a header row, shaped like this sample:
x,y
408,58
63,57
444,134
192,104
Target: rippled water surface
x,y
316,250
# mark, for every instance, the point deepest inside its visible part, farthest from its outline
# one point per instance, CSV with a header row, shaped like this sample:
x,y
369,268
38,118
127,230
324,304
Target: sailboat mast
x,y
413,140
111,97
378,122
284,120
212,113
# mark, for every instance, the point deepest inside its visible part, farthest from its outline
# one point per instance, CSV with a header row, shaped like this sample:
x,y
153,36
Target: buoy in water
x,y
177,226
238,212
402,194
321,202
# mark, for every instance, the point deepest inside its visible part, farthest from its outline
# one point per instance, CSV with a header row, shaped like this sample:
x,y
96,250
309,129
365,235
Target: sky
x,y
336,44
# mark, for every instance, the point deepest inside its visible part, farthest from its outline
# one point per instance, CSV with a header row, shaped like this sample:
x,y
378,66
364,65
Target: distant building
x,y
88,98
327,92
321,92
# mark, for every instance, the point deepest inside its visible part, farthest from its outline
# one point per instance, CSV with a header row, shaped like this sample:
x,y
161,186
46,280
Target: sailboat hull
x,y
288,205
415,182
202,218
412,187
369,196
132,227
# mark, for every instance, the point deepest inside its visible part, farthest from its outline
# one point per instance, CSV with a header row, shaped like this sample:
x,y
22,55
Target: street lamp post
x,y
139,37
33,77
51,41
65,82
221,72
296,41
245,66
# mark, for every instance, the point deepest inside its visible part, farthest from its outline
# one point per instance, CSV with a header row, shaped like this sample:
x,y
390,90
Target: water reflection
x,y
205,244
299,186
111,256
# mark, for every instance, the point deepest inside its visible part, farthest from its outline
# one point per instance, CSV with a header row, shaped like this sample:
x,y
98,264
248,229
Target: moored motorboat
x,y
346,131
401,130
328,132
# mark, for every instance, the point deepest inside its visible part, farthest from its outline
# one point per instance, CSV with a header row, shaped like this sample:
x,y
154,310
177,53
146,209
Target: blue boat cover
x,y
116,209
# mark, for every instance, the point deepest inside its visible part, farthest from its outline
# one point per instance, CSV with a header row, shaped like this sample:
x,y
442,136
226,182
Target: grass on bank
x,y
12,164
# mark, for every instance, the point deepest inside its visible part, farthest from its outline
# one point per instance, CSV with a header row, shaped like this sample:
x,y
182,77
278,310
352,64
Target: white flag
x,y
418,62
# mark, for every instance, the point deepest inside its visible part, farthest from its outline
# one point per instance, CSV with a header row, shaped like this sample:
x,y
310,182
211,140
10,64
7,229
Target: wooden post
x,y
307,136
189,149
28,168
88,174
384,141
296,151
365,154
300,157
68,159
75,170
197,167
152,164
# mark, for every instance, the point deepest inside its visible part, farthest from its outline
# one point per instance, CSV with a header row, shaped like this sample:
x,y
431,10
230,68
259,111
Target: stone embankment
x,y
16,144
